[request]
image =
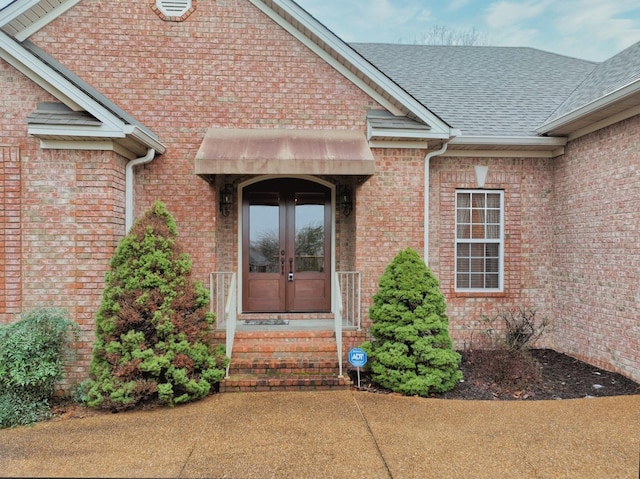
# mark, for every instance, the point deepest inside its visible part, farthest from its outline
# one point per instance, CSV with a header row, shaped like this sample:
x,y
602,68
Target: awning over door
x,y
284,152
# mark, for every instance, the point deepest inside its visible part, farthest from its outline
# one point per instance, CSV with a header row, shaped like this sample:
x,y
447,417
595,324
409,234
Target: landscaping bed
x,y
540,374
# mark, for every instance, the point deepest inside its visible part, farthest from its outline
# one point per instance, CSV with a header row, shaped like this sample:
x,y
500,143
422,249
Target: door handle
x,y
290,269
282,262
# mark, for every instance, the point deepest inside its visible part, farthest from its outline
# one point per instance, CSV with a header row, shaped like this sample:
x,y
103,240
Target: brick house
x,y
297,166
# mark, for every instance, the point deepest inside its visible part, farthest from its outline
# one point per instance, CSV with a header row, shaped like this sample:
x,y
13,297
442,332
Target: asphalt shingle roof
x,y
607,77
484,91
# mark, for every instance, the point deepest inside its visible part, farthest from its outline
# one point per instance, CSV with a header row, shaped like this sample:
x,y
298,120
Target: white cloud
x,y
505,14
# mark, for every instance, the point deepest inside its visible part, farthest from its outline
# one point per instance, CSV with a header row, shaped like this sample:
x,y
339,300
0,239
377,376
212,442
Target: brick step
x,y
275,366
257,383
284,335
284,360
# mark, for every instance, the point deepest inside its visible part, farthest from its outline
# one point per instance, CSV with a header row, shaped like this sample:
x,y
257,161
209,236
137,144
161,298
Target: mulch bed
x,y
493,375
541,374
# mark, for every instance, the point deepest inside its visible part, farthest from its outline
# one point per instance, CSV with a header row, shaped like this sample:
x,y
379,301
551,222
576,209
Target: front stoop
x,y
284,361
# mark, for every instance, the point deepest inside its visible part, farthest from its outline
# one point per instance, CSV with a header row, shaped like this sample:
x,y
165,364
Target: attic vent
x,y
174,10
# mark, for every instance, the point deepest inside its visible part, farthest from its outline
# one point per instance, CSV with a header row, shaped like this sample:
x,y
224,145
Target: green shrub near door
x,y
411,351
153,328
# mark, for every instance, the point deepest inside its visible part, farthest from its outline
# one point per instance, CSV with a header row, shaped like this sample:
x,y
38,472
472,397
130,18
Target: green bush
x,y
412,352
31,363
153,330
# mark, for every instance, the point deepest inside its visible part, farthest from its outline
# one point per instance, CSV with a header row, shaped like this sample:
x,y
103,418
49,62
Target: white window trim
x,y
500,242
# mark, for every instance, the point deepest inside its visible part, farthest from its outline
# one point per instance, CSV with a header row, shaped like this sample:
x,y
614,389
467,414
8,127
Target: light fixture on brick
x,y
226,199
345,199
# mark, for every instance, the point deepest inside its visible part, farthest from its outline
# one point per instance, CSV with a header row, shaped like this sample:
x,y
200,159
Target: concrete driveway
x,y
342,434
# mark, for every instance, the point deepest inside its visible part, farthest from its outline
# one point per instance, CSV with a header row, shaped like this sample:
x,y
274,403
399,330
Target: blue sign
x,y
357,357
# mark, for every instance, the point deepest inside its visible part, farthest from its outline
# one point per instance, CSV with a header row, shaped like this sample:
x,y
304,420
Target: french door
x,y
286,247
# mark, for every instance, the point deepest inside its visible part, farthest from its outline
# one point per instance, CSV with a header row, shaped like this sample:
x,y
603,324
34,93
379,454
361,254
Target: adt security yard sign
x,y
357,358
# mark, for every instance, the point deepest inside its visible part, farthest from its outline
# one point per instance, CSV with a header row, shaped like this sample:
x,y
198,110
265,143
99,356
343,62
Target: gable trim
x,y
20,20
601,103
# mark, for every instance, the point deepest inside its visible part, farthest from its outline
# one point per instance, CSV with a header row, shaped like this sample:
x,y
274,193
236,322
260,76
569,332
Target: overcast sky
x,y
587,29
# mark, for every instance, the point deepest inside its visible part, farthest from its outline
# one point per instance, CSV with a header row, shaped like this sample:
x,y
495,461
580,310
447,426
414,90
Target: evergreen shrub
x,y
32,352
411,351
153,328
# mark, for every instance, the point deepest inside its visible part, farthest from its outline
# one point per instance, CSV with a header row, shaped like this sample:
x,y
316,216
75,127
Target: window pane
x,y
492,265
462,281
477,281
264,237
492,281
477,250
492,250
464,250
493,232
464,200
493,200
478,200
309,240
493,216
463,265
463,231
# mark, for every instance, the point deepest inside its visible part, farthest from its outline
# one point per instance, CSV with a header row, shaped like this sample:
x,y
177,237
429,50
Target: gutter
x,y
427,162
128,186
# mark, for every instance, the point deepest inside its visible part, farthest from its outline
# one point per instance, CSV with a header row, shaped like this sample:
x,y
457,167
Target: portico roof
x,y
284,152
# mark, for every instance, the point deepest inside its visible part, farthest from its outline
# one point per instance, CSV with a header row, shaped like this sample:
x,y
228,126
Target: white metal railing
x,y
349,285
218,293
231,318
224,303
337,321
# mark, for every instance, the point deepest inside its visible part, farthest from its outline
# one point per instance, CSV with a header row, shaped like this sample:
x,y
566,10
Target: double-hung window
x,y
479,256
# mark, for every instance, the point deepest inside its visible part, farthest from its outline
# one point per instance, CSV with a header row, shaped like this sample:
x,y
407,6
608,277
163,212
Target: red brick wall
x,y
389,216
226,65
527,190
10,234
597,248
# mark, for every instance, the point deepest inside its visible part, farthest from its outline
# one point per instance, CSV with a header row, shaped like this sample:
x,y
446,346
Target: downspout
x,y
427,161
128,186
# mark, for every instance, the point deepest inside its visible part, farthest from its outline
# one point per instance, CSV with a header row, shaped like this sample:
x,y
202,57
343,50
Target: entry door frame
x,y
240,209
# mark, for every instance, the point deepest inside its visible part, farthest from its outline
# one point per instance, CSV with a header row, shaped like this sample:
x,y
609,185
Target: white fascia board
x,y
503,153
45,20
510,141
602,102
74,130
105,145
406,134
411,145
352,58
13,11
54,83
141,136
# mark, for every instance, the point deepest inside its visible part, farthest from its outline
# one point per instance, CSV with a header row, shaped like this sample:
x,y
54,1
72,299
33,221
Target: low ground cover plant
x,y
411,351
32,352
153,328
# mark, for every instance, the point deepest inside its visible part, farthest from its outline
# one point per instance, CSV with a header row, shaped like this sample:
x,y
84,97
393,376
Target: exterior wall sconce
x,y
345,199
481,175
226,199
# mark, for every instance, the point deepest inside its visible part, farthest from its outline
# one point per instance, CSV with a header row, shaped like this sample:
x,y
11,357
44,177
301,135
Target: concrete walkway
x,y
342,434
